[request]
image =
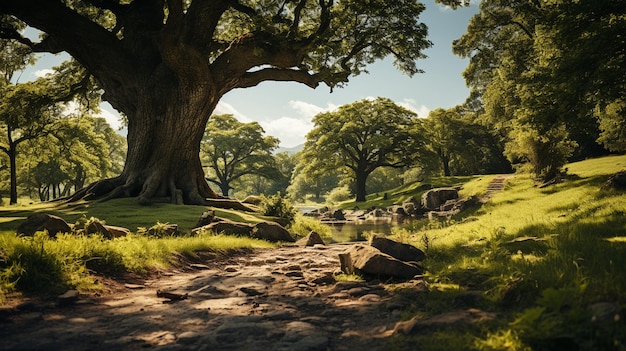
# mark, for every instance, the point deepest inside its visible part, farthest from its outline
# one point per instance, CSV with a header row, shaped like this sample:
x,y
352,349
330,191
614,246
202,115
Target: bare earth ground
x,y
267,299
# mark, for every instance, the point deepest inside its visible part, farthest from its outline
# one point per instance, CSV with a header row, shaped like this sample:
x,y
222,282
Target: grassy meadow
x,y
549,261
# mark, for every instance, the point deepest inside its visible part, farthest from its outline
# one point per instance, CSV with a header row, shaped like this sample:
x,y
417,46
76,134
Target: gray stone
x,y
42,221
339,215
96,227
116,231
226,226
403,252
370,260
271,231
312,239
434,198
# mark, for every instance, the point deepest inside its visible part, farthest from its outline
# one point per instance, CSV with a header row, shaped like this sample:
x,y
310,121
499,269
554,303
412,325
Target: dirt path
x,y
495,186
273,299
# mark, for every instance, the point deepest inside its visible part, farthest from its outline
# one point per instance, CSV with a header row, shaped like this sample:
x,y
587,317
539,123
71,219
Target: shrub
x,y
339,194
277,206
302,226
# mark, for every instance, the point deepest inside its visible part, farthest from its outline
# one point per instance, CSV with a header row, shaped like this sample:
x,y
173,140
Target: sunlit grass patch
x,y
303,225
43,265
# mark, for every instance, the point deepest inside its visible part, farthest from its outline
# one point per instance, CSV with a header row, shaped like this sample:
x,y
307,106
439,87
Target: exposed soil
x,y
265,299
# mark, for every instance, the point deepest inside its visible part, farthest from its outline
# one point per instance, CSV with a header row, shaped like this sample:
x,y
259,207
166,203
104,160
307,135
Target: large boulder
x,y
271,231
370,260
403,252
434,198
42,221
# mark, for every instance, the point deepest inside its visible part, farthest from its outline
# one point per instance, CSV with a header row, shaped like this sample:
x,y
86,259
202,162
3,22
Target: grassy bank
x,y
41,265
548,261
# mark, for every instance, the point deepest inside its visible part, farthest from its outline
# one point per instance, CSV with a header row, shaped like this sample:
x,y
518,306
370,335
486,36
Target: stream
x,y
351,231
357,230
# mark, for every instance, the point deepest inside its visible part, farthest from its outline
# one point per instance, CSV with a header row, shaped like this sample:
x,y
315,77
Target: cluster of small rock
x,y
438,202
54,225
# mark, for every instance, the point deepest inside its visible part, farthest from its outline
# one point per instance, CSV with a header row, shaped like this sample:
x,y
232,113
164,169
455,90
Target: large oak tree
x,y
166,63
362,137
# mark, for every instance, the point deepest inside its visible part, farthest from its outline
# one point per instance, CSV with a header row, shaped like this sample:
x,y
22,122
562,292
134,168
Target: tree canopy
x,y
540,69
362,137
166,64
234,149
32,109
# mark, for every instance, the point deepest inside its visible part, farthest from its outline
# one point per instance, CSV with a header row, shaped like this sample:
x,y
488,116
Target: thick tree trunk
x,y
163,161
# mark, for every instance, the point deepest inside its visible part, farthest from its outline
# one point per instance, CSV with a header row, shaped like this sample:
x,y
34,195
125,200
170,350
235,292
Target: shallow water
x,y
357,230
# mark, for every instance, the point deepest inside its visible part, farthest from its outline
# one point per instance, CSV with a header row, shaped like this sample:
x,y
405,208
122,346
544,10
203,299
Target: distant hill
x,y
290,150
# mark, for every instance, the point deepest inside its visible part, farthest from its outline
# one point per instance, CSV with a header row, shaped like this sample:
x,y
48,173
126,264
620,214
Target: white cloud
x,y
43,72
112,117
291,131
309,110
224,108
411,105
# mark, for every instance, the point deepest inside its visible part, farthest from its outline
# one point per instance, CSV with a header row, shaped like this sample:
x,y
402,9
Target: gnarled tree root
x,y
115,188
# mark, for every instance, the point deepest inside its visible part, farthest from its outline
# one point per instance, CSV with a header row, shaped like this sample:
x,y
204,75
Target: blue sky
x,y
285,110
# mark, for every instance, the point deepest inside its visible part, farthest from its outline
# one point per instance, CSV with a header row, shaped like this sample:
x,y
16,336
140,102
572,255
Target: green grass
x,y
42,265
542,289
124,213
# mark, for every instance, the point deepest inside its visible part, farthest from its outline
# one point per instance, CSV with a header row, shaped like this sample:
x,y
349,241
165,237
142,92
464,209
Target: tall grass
x,y
40,264
542,286
303,225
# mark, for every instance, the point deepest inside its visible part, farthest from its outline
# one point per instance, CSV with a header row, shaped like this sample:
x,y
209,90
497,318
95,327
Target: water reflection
x,y
357,230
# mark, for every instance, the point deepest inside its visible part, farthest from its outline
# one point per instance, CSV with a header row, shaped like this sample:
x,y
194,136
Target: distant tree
x,y
463,146
362,137
613,125
285,164
166,64
233,149
31,110
274,182
310,177
77,151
